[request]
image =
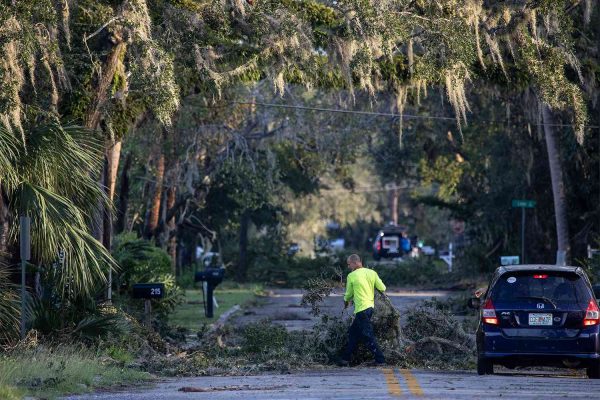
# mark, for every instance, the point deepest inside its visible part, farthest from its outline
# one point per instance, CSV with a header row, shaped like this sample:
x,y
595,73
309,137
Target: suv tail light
x,y
592,314
488,313
378,245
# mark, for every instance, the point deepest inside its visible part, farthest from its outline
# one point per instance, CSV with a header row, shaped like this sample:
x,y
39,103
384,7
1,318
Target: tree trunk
x,y
113,155
92,120
558,188
154,211
123,195
394,205
111,165
107,214
171,230
243,261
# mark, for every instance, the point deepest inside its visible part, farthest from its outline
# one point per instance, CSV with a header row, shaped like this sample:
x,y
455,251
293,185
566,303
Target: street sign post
x,y
25,253
523,204
448,258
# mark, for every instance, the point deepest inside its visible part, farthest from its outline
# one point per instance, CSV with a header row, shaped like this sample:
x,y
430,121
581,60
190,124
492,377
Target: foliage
x,y
142,262
417,272
81,319
289,272
255,339
9,308
9,393
139,259
49,178
57,370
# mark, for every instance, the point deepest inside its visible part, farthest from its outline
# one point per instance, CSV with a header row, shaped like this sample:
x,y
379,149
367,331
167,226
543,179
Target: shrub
x,y
140,261
291,272
262,337
73,315
414,272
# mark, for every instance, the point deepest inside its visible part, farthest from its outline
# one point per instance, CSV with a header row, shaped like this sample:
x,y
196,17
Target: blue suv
x,y
538,315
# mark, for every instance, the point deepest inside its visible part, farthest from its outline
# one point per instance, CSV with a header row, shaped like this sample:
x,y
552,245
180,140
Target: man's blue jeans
x,y
362,330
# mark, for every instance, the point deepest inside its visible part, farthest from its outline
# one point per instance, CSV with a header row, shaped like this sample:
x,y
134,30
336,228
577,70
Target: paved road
x,y
282,306
367,383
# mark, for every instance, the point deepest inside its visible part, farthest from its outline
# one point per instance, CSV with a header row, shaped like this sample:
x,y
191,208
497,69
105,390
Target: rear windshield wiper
x,y
538,298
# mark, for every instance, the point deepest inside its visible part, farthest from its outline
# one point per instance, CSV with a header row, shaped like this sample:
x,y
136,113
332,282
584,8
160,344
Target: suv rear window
x,y
561,288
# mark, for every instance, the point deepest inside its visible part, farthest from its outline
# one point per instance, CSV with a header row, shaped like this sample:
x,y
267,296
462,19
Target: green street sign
x,y
509,260
523,203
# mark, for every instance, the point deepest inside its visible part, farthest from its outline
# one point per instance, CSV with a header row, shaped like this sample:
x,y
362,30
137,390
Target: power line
x,y
383,114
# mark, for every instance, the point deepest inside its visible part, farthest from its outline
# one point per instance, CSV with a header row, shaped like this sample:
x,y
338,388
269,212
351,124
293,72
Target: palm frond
x,y
64,160
9,307
9,146
58,225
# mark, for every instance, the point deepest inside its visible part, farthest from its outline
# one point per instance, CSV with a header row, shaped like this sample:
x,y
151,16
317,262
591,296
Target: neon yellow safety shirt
x,y
360,288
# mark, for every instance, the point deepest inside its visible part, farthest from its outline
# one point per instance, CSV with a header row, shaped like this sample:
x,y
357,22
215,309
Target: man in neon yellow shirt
x,y
360,289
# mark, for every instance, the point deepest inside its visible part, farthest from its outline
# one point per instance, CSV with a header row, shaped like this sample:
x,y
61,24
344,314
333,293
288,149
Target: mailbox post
x,y
212,277
148,291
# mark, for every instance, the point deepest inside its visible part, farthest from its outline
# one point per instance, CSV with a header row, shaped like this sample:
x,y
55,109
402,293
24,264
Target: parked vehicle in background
x,y
337,245
427,250
388,242
538,315
293,249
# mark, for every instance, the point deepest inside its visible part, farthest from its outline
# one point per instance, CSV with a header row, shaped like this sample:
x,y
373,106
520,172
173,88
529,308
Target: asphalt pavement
x,y
367,383
283,307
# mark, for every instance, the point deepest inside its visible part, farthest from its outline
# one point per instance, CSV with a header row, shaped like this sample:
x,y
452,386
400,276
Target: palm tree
x,y
49,177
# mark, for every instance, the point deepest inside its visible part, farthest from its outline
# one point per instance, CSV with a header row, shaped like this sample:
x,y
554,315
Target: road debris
x,y
430,338
192,389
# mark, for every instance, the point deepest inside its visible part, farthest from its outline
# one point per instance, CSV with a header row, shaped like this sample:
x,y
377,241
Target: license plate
x,y
540,319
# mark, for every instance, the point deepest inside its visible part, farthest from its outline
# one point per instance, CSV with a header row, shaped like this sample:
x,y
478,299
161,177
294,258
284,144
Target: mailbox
x,y
212,277
148,290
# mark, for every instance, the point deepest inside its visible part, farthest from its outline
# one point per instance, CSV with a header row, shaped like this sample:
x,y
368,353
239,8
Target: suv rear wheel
x,y
593,371
484,366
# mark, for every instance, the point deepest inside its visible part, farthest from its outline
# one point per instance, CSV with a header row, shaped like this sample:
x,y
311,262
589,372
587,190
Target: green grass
x,y
52,372
9,393
190,314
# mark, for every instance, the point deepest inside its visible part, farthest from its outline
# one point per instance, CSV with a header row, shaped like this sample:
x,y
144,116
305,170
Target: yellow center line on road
x,y
392,382
411,382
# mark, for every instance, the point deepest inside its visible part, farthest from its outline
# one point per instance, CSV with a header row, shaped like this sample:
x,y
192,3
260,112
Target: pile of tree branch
x,y
429,338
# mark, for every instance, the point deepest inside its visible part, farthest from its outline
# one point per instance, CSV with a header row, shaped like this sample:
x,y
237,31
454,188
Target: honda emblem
x,y
540,305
